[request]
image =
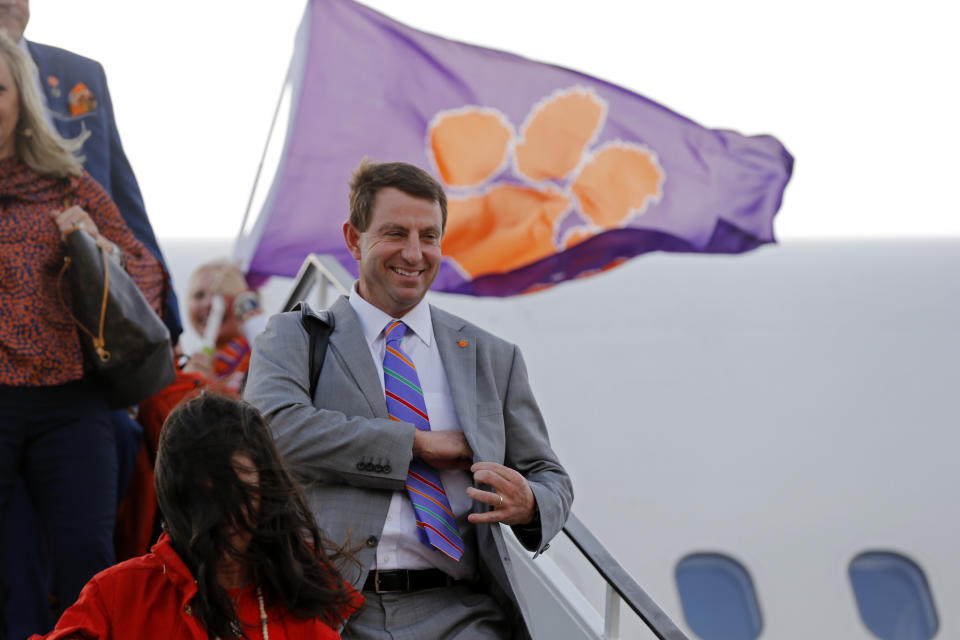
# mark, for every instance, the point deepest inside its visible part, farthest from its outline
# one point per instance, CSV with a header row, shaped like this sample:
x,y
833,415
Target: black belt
x,y
405,580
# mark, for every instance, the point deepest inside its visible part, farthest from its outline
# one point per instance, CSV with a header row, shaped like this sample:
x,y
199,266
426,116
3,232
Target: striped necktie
x,y
436,523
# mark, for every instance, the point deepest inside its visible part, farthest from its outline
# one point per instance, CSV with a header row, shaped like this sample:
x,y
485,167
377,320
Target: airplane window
x,y
893,596
719,601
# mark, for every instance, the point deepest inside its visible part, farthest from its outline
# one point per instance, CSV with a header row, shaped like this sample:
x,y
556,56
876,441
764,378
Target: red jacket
x,y
148,597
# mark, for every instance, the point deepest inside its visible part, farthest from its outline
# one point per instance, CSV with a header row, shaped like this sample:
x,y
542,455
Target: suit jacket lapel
x,y
458,352
56,95
348,339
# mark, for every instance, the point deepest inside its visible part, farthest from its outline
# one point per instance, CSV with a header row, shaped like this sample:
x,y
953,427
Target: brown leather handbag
x,y
124,341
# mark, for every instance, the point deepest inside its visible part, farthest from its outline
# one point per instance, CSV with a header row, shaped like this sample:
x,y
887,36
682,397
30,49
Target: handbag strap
x,y
99,344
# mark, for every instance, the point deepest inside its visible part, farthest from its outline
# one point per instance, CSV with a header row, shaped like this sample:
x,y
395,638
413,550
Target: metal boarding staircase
x,y
553,605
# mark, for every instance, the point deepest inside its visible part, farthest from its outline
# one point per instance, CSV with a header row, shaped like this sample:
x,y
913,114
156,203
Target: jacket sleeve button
x,y
372,541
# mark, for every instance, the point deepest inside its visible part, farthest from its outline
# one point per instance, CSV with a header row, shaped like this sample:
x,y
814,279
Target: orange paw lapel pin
x,y
81,100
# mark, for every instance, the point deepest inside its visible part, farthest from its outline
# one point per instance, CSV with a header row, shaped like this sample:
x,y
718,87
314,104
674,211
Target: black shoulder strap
x,y
319,337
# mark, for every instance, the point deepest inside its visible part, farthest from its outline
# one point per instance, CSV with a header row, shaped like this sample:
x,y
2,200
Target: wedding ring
x,y
501,502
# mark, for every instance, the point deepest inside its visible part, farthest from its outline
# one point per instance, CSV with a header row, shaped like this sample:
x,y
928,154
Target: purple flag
x,y
551,174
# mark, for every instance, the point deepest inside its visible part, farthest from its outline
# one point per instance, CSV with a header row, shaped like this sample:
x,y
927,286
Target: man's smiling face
x,y
399,253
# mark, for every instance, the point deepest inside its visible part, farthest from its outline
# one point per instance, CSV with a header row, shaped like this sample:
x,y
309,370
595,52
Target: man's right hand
x,y
442,449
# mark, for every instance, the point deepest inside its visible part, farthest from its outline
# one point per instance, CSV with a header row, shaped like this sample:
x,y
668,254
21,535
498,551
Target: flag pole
x,y
273,122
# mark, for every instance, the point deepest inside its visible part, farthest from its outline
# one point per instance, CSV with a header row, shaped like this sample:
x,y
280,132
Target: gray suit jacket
x,y
353,457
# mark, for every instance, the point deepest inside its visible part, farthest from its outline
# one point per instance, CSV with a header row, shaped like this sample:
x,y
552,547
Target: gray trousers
x,y
451,612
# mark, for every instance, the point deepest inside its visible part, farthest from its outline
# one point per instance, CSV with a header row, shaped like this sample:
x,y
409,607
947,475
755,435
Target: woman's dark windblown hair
x,y
203,501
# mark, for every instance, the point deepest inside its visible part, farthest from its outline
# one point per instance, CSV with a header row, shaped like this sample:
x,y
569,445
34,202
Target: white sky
x,y
864,94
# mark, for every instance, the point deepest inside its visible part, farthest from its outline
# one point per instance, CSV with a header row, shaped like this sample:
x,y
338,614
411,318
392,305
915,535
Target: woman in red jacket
x,y
241,556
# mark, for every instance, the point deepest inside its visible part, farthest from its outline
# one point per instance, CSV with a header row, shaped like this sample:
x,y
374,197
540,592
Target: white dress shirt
x,y
400,546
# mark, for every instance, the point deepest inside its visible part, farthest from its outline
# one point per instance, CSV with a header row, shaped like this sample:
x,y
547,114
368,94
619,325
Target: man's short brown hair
x,y
370,177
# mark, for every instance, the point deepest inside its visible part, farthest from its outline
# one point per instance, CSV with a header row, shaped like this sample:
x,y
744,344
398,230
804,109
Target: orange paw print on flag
x,y
495,225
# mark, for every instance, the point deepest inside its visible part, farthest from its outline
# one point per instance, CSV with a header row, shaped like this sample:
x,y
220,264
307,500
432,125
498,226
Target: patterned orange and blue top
x,y
230,364
39,342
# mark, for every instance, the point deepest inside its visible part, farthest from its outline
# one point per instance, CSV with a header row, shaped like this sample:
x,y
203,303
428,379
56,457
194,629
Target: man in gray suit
x,y
485,438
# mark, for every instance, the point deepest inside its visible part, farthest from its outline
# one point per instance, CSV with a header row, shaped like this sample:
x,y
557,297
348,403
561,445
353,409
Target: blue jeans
x,y
61,442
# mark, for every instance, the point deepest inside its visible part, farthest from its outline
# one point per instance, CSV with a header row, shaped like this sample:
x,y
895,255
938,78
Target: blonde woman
x,y
229,325
54,425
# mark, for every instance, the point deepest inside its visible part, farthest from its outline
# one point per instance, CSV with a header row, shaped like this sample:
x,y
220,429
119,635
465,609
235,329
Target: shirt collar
x,y
373,320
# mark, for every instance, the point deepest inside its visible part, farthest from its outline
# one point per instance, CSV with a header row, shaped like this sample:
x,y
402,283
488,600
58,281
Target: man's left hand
x,y
512,499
